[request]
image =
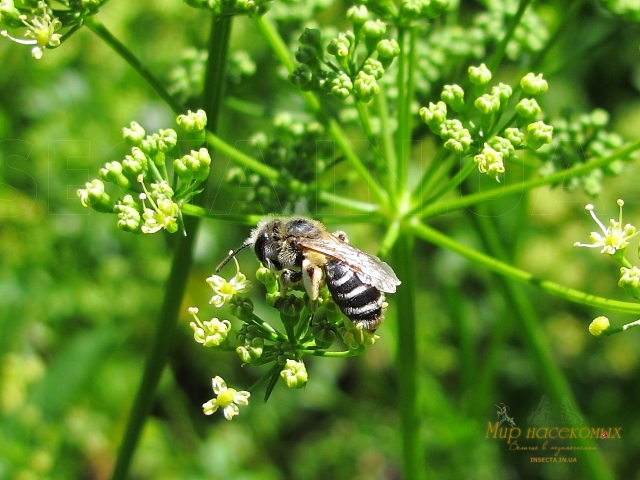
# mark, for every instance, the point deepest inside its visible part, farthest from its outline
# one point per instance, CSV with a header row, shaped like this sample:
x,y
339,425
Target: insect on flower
x,y
303,249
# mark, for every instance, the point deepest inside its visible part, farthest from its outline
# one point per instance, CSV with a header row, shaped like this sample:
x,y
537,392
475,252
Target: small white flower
x,y
294,374
225,290
209,333
490,161
40,31
163,212
614,238
229,399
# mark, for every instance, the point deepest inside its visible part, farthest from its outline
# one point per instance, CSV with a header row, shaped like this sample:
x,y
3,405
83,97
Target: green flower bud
x,y
128,211
198,163
193,121
268,279
134,134
248,333
487,104
411,9
453,95
630,281
294,374
387,51
324,333
95,197
241,307
301,76
434,115
272,299
290,306
307,54
341,86
502,145
365,87
538,134
112,172
479,75
251,351
435,8
457,138
534,84
358,15
528,108
503,92
374,68
135,164
515,136
373,31
167,139
283,352
339,47
599,327
599,118
182,170
311,37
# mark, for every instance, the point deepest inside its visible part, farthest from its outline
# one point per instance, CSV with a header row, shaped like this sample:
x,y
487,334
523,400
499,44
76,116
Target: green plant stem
x,y
509,271
520,188
176,284
435,164
365,121
406,361
494,63
401,133
531,332
100,30
390,238
405,128
237,156
279,47
344,354
387,137
453,182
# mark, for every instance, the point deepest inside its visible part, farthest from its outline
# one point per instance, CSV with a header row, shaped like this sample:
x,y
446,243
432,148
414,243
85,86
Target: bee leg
x,y
288,278
312,277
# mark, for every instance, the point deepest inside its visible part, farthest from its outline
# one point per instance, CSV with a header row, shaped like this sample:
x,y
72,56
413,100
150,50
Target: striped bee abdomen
x,y
360,302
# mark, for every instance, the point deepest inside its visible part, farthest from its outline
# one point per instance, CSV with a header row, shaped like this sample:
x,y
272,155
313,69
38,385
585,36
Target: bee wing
x,y
368,268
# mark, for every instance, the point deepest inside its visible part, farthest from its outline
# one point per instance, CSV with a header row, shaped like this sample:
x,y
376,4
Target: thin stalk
x,y
406,361
183,257
279,47
434,165
594,465
520,188
387,137
355,205
390,238
343,354
237,156
400,107
101,31
365,121
502,46
513,273
453,182
406,129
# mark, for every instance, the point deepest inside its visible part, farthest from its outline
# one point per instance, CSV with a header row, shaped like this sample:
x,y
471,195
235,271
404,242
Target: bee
x,y
303,249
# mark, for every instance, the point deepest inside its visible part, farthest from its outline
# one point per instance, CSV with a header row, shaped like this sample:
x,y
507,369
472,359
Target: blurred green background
x,y
78,298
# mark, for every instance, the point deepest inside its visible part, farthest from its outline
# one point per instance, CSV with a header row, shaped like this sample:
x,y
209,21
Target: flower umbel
x,y
229,399
225,290
614,238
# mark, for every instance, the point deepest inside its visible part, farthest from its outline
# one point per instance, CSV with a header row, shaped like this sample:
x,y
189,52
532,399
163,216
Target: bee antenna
x,y
231,255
